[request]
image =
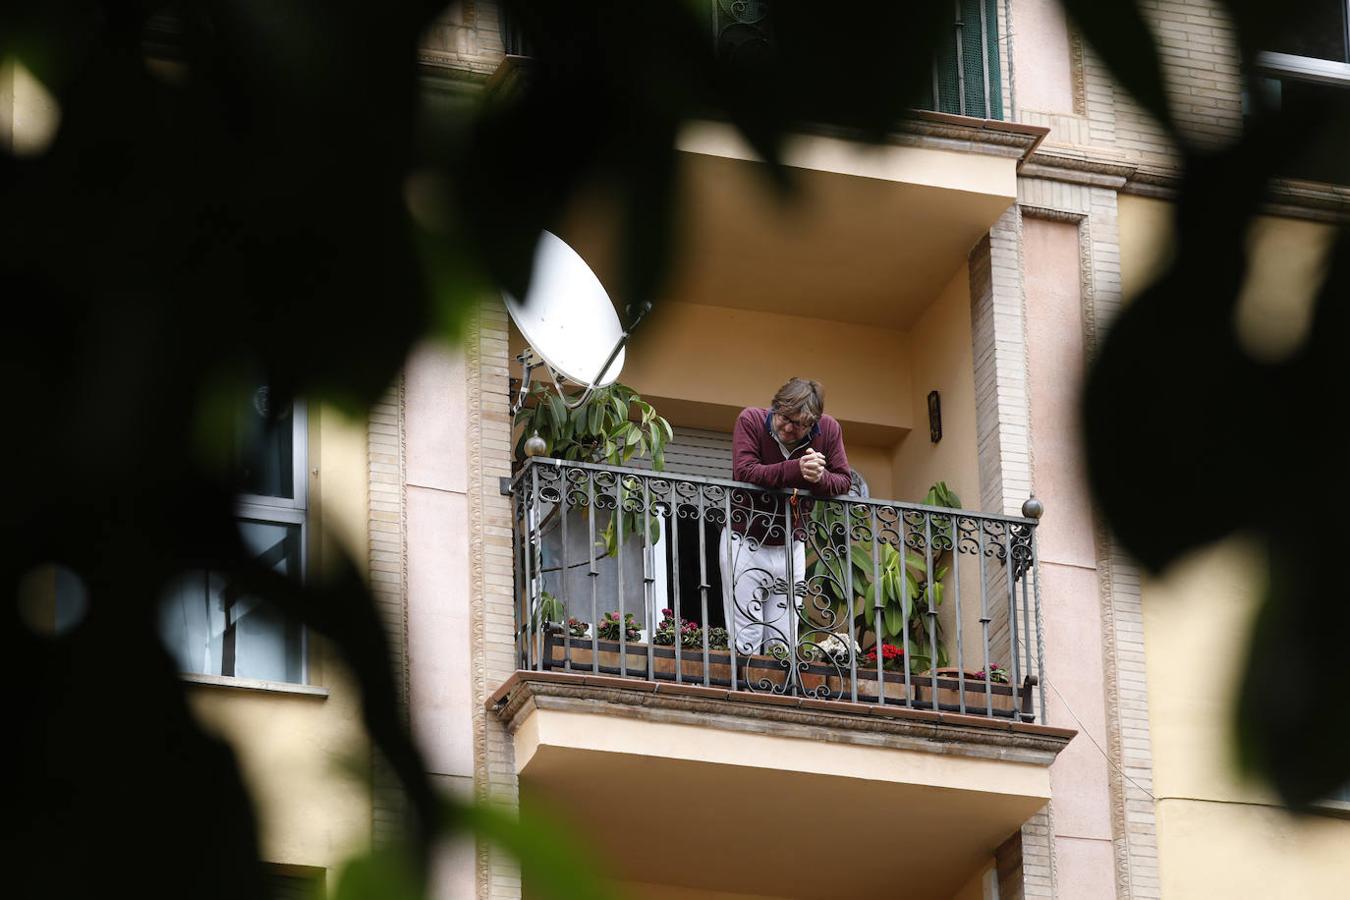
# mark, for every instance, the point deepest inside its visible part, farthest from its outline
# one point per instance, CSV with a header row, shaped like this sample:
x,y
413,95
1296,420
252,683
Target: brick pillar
x,y
491,579
388,560
1003,425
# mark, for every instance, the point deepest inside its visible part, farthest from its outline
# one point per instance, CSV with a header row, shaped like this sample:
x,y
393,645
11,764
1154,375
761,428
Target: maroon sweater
x,y
756,457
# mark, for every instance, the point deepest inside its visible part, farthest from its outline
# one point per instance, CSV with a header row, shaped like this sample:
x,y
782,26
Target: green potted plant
x,y
689,635
897,582
613,425
608,629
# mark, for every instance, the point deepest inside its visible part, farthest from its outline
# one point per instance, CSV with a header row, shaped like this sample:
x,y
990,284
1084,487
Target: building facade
x,y
975,258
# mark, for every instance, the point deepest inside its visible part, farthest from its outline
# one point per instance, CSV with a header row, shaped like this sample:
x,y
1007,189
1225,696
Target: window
x,y
1321,32
214,630
1307,72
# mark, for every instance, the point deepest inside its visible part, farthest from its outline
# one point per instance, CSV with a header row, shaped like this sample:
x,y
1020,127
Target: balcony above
x,y
877,231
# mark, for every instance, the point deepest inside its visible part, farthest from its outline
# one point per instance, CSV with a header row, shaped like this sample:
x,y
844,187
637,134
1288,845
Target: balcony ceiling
x,y
763,831
871,236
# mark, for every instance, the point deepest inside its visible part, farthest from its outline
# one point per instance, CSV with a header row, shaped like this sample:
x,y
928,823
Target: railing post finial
x,y
1033,508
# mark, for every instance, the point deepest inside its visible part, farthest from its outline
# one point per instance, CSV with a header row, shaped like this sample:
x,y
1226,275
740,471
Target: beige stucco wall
x,y
940,359
974,888
295,752
439,621
303,756
1218,834
728,359
875,464
1068,560
1041,62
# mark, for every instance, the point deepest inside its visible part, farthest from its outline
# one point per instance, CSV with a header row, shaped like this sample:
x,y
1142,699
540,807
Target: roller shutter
x,y
694,451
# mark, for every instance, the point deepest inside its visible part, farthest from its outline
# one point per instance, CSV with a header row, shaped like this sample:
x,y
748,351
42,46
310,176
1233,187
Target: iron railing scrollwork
x,y
704,581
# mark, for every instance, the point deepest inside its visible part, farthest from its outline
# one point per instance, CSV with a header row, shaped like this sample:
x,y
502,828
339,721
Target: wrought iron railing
x,y
690,580
966,71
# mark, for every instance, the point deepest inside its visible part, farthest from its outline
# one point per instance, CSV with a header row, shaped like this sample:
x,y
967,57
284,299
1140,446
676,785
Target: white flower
x,y
837,646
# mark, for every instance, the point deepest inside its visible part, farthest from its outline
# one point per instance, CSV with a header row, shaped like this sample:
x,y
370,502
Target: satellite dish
x,y
567,317
569,322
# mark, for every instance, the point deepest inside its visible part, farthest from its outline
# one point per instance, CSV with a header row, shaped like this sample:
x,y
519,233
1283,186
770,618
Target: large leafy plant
x,y
612,425
891,595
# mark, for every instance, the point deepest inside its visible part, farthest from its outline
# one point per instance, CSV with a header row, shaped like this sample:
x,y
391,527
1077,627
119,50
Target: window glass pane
x,y
264,448
267,643
214,631
192,622
1320,33
1323,159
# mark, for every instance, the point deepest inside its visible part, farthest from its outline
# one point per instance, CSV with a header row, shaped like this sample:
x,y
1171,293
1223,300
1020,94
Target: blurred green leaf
x,y
386,873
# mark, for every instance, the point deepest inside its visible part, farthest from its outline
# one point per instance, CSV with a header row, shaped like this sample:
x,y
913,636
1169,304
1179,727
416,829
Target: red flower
x,y
889,653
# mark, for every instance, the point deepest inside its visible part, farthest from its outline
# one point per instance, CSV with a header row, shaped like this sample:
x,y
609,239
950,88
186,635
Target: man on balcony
x,y
790,447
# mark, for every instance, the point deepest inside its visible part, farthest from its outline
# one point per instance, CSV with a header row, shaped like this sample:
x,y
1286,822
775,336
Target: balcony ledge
x,y
830,721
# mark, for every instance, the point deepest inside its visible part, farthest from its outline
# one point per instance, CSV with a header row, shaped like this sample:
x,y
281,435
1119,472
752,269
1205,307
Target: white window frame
x,y
286,511
1310,68
293,510
1304,68
299,467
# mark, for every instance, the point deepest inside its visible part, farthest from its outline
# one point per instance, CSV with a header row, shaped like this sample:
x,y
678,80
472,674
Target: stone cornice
x,y
1077,168
795,717
989,136
1286,197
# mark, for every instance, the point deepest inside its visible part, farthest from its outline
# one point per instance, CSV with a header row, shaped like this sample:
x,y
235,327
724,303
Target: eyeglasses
x,y
803,422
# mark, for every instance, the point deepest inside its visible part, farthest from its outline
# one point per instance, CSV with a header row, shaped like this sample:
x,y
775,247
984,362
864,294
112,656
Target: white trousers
x,y
755,593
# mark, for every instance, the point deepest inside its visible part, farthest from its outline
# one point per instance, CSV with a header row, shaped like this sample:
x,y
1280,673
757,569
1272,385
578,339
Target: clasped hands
x,y
813,465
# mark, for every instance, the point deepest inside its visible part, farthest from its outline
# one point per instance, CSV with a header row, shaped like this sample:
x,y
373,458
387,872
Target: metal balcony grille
x,y
646,575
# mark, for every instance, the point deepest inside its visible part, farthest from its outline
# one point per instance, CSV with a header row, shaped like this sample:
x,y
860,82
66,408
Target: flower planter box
x,y
755,673
892,685
949,693
630,660
767,674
